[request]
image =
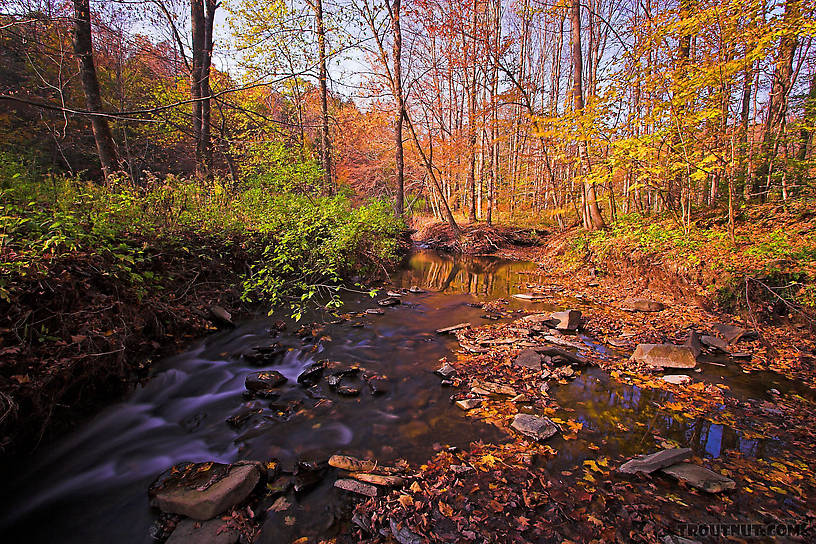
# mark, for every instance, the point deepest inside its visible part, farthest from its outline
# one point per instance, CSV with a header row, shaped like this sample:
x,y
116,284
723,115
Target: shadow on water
x,y
91,486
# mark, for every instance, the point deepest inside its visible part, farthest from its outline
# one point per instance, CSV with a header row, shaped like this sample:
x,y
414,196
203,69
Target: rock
x,y
215,531
453,328
528,358
312,374
741,355
262,355
676,379
461,469
389,301
414,289
700,477
560,341
520,399
203,490
560,356
280,485
494,388
730,333
393,293
568,320
714,343
468,404
375,311
774,391
264,380
664,356
538,428
403,535
694,344
563,372
642,305
354,486
308,474
220,317
538,319
348,391
377,479
655,461
446,371
530,296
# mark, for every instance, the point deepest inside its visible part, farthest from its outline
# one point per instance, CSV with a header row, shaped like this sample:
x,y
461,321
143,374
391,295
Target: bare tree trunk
x,y
397,77
325,143
202,18
83,47
593,212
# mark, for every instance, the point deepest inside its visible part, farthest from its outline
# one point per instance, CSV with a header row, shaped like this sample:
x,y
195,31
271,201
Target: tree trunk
x,y
593,212
83,47
202,18
325,143
397,77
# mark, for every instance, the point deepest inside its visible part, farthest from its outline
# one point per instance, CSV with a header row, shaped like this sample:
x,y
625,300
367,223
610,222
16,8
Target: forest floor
x,y
75,334
511,492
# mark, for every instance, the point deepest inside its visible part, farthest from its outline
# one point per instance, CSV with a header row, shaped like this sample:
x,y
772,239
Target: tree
x,y
201,21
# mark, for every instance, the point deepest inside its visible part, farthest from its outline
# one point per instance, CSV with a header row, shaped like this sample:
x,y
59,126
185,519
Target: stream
x,y
90,487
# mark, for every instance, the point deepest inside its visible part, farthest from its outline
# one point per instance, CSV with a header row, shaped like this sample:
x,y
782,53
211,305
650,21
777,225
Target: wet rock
x,y
203,490
563,372
446,371
264,380
312,374
642,305
655,461
375,311
538,428
700,477
354,486
676,379
220,317
308,474
389,301
530,296
245,412
528,358
379,385
262,355
694,344
415,289
468,404
664,356
453,328
348,391
333,381
713,342
215,531
568,320
394,293
730,333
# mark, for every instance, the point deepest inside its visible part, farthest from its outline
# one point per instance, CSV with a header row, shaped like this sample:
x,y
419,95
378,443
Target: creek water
x,y
90,487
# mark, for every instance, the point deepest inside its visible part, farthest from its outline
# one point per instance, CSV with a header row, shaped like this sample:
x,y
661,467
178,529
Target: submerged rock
x,y
203,490
642,305
655,461
665,356
538,428
568,320
701,478
215,531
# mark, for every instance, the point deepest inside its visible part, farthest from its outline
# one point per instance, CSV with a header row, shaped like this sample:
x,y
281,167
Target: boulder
x,y
713,342
700,477
528,358
203,490
453,328
264,380
664,356
355,486
215,531
642,305
538,428
655,461
694,344
676,379
568,320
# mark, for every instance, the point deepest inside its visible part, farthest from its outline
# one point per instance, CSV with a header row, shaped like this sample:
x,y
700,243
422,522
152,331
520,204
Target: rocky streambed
x,y
466,381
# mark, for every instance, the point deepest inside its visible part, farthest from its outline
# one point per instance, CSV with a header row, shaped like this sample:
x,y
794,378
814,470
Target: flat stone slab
x,y
642,305
453,328
538,428
446,371
354,486
665,356
568,320
468,404
215,531
203,490
730,333
655,461
700,477
714,342
528,358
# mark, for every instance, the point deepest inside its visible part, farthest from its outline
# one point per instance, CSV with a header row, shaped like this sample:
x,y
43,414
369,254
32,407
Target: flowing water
x,y
91,486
